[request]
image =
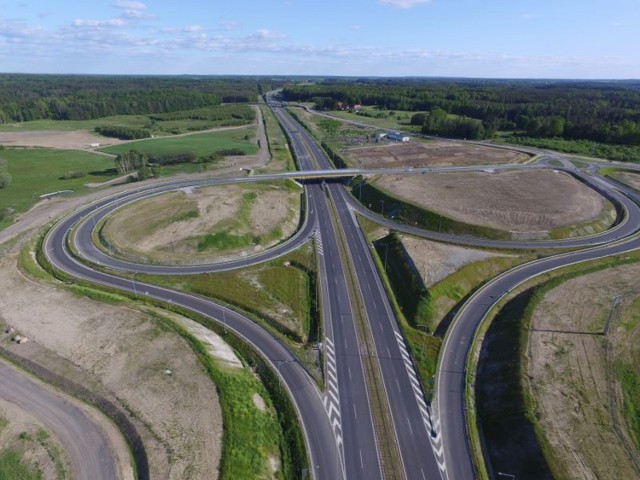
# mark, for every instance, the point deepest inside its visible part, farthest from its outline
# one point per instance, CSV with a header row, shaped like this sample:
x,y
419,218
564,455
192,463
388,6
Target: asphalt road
x,y
407,405
320,439
85,443
338,424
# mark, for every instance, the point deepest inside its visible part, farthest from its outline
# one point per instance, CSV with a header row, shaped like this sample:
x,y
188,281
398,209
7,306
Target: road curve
x,y
320,441
450,382
628,225
85,443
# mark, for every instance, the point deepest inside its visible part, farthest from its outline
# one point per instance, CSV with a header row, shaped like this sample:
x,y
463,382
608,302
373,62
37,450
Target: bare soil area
x,y
436,261
167,228
130,355
570,367
517,201
429,154
72,140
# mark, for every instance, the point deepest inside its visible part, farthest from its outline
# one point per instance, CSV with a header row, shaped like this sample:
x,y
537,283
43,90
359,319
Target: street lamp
x,y
507,475
382,207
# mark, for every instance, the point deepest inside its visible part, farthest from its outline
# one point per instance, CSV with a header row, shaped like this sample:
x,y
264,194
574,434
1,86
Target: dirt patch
x,y
168,228
436,261
518,201
273,209
428,154
258,401
571,374
128,353
72,140
216,347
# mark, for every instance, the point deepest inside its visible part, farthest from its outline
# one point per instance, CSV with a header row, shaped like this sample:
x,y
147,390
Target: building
x,y
397,137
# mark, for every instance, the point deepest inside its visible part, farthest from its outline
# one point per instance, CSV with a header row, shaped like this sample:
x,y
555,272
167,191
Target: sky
x,y
587,39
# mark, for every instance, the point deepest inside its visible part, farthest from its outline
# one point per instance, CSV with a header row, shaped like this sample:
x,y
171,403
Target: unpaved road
x,y
85,443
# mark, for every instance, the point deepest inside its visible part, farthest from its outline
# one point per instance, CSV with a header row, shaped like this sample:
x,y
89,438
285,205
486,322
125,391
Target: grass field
x,y
385,119
201,144
220,116
38,171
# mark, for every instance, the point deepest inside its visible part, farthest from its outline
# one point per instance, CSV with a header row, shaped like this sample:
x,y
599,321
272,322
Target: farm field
x,y
39,171
528,203
583,366
201,144
427,154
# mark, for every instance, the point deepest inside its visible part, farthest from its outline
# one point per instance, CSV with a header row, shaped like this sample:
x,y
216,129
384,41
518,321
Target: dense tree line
x,y
223,112
83,97
122,132
606,112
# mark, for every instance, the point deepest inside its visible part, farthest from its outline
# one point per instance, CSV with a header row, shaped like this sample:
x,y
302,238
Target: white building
x,y
397,136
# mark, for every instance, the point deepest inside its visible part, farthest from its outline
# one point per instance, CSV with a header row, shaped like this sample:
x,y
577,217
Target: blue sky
x,y
470,38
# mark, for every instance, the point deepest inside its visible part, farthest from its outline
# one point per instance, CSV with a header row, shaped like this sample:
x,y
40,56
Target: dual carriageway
x,y
338,423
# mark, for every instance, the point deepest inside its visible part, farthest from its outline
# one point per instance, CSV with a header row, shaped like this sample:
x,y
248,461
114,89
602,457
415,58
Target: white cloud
x,y
136,15
354,28
402,3
129,5
113,22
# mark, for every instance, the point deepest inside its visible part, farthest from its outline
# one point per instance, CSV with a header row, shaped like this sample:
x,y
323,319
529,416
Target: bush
x,y
5,179
70,175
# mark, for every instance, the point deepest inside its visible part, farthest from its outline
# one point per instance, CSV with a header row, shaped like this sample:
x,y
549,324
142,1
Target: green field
x,y
201,144
37,171
386,119
156,124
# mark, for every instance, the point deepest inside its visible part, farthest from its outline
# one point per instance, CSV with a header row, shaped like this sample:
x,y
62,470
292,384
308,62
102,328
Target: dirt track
x,y
436,152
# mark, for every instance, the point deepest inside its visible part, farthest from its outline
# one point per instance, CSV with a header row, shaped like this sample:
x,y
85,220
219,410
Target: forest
x,y
84,97
599,111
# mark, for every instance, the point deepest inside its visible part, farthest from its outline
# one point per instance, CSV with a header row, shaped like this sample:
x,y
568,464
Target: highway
x,y
338,423
403,392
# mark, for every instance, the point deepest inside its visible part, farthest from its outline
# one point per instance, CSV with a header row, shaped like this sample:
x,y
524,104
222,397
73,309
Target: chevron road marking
x,y
430,424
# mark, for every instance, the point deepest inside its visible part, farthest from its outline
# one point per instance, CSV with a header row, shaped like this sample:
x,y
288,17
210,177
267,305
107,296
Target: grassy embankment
x,y
628,177
252,438
280,295
507,410
156,124
38,171
281,158
425,313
